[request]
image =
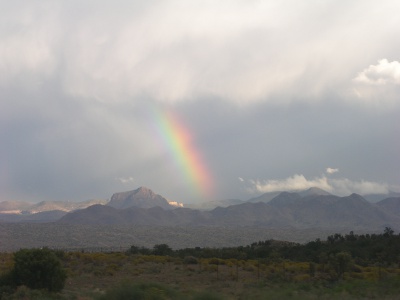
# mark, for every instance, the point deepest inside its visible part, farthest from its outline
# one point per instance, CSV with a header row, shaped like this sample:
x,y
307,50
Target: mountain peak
x,y
144,191
285,198
142,197
357,197
314,191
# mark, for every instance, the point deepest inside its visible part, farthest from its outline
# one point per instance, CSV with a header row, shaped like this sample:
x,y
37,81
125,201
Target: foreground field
x,y
107,275
350,266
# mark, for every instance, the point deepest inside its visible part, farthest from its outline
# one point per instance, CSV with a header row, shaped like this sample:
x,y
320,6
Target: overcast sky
x,y
273,95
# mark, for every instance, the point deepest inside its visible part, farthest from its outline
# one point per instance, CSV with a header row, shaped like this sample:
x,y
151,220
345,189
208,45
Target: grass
x,y
118,276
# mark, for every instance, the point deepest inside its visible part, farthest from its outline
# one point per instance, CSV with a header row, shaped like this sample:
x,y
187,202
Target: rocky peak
x,y
142,197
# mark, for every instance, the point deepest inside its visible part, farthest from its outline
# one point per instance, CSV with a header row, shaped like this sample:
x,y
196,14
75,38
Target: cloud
x,y
104,66
176,204
126,180
294,183
345,186
378,85
241,179
27,45
331,170
383,73
173,51
342,186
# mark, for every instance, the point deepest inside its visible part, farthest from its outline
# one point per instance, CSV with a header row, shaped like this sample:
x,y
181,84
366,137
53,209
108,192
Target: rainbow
x,y
177,139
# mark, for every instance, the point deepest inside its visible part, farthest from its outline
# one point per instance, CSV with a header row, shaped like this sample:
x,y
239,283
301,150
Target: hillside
x,y
45,211
312,208
285,210
390,205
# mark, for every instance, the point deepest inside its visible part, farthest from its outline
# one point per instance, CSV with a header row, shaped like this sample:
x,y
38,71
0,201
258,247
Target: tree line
x,y
364,249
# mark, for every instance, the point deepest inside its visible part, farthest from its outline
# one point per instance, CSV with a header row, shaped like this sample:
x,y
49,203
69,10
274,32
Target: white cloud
x,y
345,186
331,170
294,183
383,73
378,86
342,186
241,179
126,180
174,203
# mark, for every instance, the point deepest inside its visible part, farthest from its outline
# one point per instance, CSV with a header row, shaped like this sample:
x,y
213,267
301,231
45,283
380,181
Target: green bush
x,y
190,260
38,269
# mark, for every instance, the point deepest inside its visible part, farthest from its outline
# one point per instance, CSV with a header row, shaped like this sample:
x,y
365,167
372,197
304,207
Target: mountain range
x,y
312,208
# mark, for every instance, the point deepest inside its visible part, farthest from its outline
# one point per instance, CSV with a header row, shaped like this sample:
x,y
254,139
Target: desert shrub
x,y
190,260
214,261
38,269
301,277
250,268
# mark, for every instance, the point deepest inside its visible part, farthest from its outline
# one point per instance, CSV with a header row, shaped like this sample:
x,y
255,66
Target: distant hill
x,y
285,210
209,205
390,205
267,197
14,206
19,207
312,208
45,211
313,191
41,217
63,206
379,197
154,216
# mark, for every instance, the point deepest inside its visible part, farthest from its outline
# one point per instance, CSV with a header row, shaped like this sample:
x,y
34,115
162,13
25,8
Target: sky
x,y
198,100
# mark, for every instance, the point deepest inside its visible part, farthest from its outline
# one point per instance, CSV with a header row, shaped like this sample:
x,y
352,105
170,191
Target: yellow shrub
x,y
301,277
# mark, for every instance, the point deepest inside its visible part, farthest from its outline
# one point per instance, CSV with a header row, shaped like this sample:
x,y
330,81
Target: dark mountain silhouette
x,y
154,216
332,211
313,191
41,217
285,210
267,197
379,197
390,205
209,205
312,208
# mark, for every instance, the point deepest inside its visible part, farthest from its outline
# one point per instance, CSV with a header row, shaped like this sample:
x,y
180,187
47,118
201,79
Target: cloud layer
x,y
341,186
266,89
176,51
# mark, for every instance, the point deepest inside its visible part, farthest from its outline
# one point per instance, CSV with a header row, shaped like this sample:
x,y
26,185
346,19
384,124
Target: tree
x,y
340,262
38,269
162,250
388,232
